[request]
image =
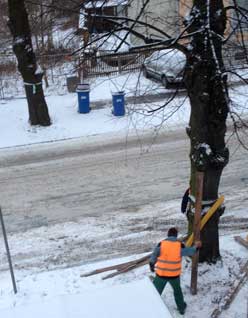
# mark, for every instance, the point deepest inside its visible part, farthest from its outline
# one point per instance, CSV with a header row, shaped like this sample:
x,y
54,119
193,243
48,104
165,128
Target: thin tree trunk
x,y
32,76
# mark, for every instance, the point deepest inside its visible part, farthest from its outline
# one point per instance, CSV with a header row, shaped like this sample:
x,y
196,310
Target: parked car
x,y
166,66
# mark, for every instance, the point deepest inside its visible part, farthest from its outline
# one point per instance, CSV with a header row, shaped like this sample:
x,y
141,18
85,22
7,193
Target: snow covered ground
x,y
49,286
68,123
46,283
124,300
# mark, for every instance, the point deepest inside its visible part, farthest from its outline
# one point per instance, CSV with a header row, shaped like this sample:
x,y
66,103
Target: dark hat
x,y
172,232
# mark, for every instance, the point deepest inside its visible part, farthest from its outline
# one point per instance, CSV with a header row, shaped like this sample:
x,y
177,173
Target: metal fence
x,y
8,62
90,64
106,64
61,69
56,67
116,63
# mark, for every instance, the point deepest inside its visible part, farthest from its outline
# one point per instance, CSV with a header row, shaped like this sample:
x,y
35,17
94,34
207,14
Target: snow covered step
x,y
132,300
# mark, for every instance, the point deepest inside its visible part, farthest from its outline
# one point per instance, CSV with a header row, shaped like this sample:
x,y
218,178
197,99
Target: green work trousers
x,y
160,282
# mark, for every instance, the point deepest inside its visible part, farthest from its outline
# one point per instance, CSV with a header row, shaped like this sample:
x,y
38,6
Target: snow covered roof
x,y
105,3
110,43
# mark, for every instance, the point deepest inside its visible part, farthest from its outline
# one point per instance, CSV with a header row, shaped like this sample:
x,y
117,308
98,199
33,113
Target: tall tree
x,y
206,85
27,65
201,38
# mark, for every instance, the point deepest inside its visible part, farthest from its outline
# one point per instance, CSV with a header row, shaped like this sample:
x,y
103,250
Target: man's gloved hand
x,y
151,267
198,244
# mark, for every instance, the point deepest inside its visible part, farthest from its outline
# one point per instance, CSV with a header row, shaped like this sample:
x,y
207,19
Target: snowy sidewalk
x,y
68,124
132,300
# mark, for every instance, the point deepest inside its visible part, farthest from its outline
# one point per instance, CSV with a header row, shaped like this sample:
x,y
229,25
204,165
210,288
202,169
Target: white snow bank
x,y
67,123
132,300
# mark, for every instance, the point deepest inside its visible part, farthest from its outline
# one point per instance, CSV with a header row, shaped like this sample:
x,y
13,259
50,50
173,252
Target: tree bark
x,y
27,65
208,93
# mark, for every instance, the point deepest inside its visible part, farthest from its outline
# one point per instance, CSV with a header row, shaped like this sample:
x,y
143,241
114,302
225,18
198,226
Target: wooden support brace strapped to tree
x,y
197,229
206,217
127,266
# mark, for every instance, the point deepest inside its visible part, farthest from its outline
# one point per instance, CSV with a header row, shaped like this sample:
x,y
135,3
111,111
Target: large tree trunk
x,y
32,76
208,93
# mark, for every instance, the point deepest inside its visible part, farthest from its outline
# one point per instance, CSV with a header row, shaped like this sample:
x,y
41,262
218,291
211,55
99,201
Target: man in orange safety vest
x,y
166,261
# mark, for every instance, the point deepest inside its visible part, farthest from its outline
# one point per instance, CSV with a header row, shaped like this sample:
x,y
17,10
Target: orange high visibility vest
x,y
169,262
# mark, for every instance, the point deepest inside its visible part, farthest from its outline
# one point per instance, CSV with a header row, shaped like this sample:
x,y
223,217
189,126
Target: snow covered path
x,y
124,300
51,285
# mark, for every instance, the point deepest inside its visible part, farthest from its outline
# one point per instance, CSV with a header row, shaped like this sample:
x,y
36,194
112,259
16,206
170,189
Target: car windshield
x,y
171,59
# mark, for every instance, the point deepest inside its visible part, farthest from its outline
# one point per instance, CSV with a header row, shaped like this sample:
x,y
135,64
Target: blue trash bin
x,y
83,91
118,103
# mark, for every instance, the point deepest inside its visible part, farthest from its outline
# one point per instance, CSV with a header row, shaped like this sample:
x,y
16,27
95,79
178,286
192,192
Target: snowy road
x,y
49,184
103,200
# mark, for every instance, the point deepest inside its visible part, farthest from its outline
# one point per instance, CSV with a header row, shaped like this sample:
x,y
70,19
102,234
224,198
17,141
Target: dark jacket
x,y
185,200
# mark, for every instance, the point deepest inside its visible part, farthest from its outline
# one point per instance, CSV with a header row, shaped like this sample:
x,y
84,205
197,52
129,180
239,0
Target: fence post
x,y
8,252
1,88
79,70
119,64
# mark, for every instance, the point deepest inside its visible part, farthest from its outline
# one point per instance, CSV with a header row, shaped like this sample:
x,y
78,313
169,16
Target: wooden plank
x,y
232,292
127,269
117,267
123,266
100,270
133,264
197,229
241,241
206,217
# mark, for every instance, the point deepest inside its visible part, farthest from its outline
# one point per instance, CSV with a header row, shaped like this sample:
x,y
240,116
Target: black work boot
x,y
182,311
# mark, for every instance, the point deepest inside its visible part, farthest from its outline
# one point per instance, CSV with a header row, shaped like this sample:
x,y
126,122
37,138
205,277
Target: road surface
x,y
48,184
104,199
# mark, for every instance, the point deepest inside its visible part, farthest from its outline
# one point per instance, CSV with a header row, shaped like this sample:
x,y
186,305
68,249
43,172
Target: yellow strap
x,y
206,217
